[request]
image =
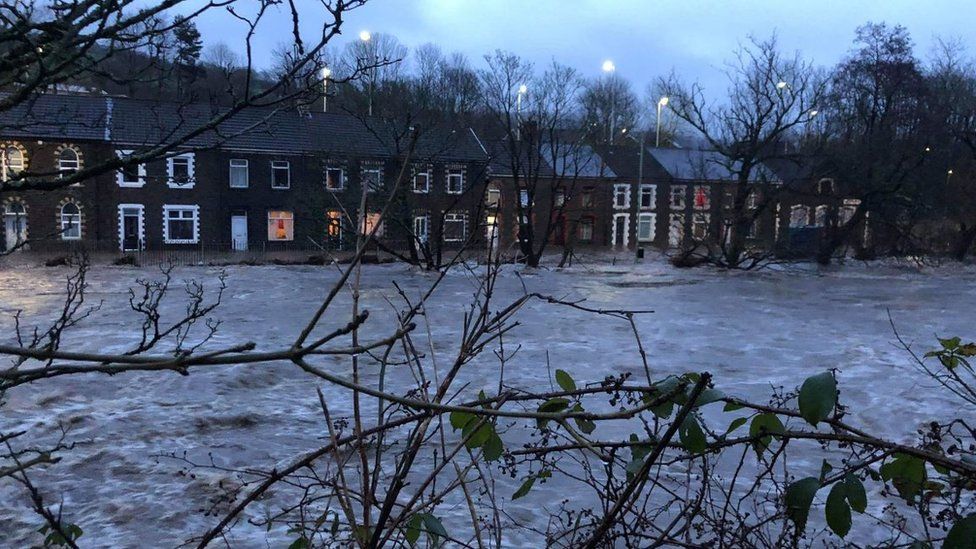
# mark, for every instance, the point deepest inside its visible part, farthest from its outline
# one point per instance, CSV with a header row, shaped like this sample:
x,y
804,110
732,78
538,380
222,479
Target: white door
x,y
238,232
14,225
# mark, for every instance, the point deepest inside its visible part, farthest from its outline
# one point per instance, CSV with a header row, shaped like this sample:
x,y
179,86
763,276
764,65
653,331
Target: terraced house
x,y
265,180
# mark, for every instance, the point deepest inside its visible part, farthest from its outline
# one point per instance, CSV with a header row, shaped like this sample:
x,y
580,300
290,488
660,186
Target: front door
x,y
620,230
131,221
15,225
238,232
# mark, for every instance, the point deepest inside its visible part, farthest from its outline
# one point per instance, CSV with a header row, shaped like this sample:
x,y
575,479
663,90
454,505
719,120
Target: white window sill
x,y
181,241
133,185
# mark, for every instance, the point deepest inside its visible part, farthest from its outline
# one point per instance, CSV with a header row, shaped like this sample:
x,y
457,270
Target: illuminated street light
x,y
522,90
661,103
326,73
814,112
780,85
365,36
608,66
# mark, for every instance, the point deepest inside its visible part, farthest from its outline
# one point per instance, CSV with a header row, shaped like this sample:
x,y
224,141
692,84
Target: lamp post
x,y
640,185
522,90
365,36
610,68
326,73
661,103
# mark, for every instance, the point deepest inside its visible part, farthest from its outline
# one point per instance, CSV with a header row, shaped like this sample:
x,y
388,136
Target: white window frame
x,y
559,198
427,174
238,163
621,189
698,218
821,210
120,174
493,198
167,208
649,191
171,182
524,199
66,166
421,221
454,174
794,217
267,226
6,169
278,165
378,170
455,217
649,220
342,178
681,193
63,226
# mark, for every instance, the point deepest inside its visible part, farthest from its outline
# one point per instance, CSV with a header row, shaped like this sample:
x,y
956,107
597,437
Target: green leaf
x,y
433,526
799,497
709,396
731,407
565,381
906,473
524,488
856,495
837,511
691,435
493,447
551,406
480,436
962,535
300,543
950,344
413,529
818,396
663,410
736,423
825,469
765,425
460,419
585,425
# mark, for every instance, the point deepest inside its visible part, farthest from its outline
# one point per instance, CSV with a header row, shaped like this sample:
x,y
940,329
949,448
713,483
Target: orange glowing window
x,y
281,225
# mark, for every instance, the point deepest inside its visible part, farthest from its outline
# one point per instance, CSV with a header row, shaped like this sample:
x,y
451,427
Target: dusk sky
x,y
645,38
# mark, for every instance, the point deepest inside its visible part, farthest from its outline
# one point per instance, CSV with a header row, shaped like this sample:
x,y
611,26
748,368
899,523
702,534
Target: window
x,y
372,220
455,181
524,200
455,227
181,224
753,228
68,161
645,227
179,170
335,179
825,186
586,199
699,226
494,198
333,226
676,230
799,216
845,213
281,225
239,174
678,197
559,199
421,180
13,162
70,221
621,197
420,225
586,229
820,216
130,175
703,198
753,199
648,195
373,179
280,175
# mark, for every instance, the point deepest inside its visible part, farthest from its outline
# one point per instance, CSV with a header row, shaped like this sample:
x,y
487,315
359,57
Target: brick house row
x,y
265,180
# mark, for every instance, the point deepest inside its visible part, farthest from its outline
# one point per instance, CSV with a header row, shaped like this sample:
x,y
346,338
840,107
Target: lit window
x,y
333,227
180,171
239,174
70,221
455,181
371,220
621,196
181,224
373,179
421,180
678,197
280,175
13,162
648,194
68,161
281,225
130,175
645,226
703,198
335,179
455,227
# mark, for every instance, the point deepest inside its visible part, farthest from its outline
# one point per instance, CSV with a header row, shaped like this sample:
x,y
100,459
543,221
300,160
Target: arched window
x,y
799,216
68,161
825,186
14,225
15,208
13,161
70,221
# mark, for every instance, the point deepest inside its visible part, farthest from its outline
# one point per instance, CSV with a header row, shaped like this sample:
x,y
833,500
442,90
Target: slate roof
x,y
702,165
134,123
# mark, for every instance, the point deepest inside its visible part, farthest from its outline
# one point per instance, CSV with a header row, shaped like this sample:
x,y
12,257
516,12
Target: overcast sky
x,y
644,38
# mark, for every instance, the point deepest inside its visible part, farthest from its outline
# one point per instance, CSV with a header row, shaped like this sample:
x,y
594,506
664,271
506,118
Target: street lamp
x,y
813,113
522,90
365,36
326,73
661,103
781,84
610,68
